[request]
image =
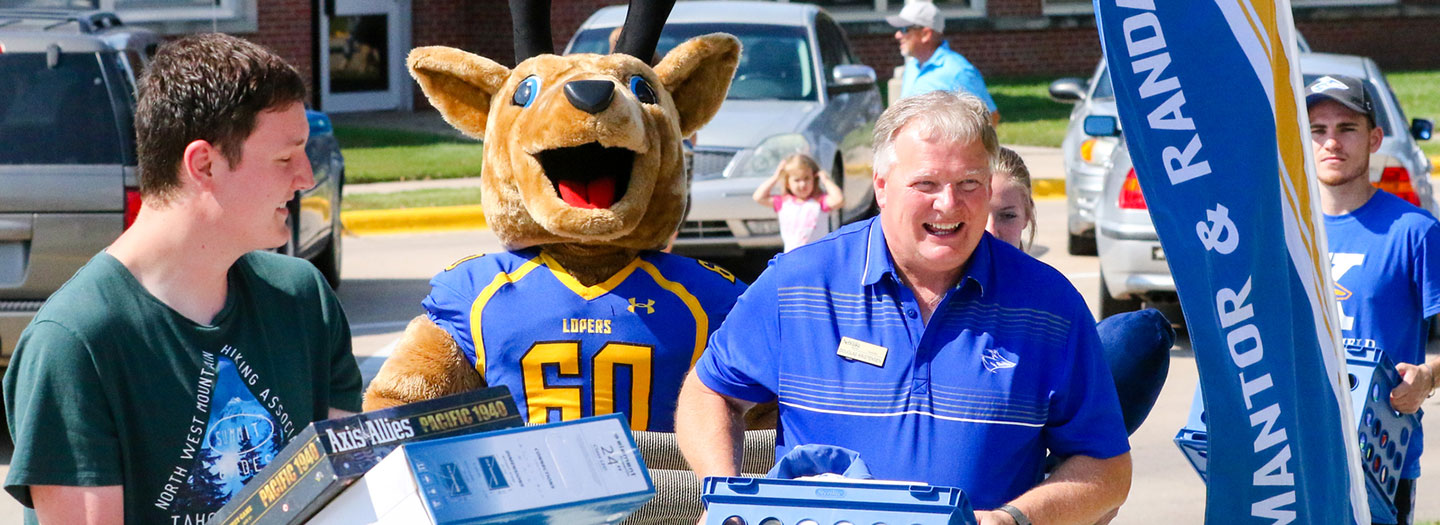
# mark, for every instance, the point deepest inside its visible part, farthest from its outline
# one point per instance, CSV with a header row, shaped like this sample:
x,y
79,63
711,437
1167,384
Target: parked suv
x,y
68,179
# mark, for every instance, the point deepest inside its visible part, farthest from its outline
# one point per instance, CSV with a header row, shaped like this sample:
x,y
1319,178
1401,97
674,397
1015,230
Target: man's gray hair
x,y
940,116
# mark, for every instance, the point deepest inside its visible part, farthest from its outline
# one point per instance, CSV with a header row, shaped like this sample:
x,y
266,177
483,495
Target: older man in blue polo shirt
x,y
930,64
939,353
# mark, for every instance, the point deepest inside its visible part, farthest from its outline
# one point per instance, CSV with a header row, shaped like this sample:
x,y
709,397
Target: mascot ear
x,y
459,84
697,74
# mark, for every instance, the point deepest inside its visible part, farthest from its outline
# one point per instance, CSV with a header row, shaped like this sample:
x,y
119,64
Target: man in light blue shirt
x,y
939,353
930,64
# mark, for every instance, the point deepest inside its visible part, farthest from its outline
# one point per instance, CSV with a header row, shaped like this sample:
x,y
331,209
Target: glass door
x,y
362,55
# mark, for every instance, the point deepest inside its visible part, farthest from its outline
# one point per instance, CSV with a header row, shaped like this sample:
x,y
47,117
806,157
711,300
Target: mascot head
x,y
582,150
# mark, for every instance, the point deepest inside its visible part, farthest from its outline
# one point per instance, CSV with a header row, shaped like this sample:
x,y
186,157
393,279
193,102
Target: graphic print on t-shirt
x,y
1340,264
232,436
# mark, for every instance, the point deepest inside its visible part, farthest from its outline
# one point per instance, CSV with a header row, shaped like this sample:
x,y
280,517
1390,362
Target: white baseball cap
x,y
921,13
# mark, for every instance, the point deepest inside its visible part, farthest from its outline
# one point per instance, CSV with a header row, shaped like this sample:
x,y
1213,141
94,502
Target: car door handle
x,y
16,227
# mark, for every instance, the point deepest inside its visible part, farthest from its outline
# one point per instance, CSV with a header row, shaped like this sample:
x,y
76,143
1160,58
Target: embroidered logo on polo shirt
x,y
994,362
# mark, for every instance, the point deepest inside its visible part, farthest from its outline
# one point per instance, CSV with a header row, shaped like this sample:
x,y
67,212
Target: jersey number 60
x,y
541,398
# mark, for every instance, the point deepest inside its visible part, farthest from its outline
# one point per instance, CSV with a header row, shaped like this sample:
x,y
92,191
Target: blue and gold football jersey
x,y
568,351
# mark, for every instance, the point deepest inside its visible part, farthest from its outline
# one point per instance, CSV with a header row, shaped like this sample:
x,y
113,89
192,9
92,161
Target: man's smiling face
x,y
934,202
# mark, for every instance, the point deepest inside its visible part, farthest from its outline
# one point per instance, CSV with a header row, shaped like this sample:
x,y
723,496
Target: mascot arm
x,y
426,364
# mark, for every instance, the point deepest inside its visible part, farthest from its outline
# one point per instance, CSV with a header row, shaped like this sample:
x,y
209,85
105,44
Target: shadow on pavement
x,y
381,305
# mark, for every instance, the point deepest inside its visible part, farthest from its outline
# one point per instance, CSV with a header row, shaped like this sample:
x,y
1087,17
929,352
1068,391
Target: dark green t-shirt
x,y
109,386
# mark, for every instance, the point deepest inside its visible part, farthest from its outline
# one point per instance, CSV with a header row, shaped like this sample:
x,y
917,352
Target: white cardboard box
x,y
580,472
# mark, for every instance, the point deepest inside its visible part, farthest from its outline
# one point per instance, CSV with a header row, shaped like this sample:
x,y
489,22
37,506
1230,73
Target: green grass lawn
x,y
412,199
1419,94
383,155
1030,118
1027,115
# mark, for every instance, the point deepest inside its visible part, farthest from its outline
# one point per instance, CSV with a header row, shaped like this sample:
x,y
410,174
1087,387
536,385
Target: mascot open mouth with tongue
x,y
583,181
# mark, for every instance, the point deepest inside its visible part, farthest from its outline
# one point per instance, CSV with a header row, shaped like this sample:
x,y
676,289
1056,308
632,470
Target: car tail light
x,y
1097,151
1396,180
132,205
1087,150
1130,196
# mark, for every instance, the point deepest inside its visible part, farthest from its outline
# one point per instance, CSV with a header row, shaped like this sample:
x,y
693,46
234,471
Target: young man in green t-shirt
x,y
177,362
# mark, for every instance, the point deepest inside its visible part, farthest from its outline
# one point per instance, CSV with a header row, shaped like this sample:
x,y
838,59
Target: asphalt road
x,y
386,277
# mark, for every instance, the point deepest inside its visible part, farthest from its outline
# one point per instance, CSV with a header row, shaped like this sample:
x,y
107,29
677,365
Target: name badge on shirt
x,y
857,350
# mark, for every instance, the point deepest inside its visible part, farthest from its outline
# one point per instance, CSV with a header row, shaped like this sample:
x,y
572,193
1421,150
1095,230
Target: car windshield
x,y
775,61
1382,116
59,115
1103,89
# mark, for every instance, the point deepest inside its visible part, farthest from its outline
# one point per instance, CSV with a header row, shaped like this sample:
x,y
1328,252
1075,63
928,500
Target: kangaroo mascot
x,y
583,182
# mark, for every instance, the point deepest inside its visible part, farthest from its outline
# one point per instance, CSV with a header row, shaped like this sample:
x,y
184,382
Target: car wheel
x,y
1109,305
328,261
1081,245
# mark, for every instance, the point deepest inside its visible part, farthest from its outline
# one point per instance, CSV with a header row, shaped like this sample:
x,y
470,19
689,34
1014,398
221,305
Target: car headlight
x,y
761,161
1097,151
762,226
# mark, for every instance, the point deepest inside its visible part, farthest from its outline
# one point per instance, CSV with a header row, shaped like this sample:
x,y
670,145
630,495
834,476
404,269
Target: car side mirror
x,y
849,78
1067,90
1102,126
1421,128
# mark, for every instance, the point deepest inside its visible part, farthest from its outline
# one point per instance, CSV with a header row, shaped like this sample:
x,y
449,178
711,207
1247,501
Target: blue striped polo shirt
x,y
1009,365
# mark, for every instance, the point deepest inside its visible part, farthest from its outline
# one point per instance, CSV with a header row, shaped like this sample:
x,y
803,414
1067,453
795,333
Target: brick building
x,y
366,39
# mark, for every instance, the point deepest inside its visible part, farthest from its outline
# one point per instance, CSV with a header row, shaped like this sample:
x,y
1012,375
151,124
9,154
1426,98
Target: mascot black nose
x,y
591,96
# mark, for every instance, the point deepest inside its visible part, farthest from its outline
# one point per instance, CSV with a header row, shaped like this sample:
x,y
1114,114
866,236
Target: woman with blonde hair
x,y
1137,344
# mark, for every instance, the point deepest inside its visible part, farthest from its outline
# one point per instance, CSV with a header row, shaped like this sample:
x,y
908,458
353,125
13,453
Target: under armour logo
x,y
994,361
649,306
1326,83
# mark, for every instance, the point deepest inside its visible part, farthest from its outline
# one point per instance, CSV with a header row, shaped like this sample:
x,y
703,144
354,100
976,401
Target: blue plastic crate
x,y
1384,434
762,501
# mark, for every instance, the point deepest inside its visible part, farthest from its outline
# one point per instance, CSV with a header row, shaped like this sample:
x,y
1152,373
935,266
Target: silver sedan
x,y
798,88
1133,267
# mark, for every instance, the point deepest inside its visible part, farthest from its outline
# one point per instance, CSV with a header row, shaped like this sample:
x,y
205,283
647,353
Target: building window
x,y
1068,7
1326,3
877,10
135,11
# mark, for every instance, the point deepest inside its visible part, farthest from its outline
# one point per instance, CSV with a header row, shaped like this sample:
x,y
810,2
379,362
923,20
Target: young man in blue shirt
x,y
1382,251
939,353
930,64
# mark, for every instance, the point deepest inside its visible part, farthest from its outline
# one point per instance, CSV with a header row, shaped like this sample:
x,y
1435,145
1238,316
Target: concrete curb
x,y
412,220
448,218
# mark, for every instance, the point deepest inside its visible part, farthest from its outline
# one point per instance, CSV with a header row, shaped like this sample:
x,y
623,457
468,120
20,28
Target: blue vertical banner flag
x,y
1210,107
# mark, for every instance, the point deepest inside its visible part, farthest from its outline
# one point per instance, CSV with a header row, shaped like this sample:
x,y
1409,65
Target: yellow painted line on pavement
x,y
1048,188
447,218
409,220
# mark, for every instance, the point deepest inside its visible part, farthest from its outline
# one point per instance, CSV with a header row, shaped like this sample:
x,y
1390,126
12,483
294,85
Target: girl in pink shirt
x,y
802,208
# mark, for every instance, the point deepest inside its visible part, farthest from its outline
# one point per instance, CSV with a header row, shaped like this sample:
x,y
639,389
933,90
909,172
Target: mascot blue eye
x,y
642,90
527,90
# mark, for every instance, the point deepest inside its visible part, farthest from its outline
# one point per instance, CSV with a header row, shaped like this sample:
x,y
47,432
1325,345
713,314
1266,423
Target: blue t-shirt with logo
x,y
1387,280
1008,366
